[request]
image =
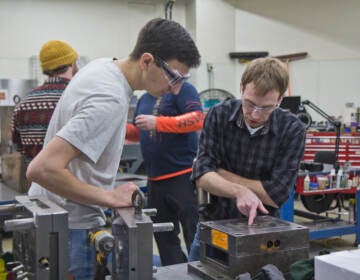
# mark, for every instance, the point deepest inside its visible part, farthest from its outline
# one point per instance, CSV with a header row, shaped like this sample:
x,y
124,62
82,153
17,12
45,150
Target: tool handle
x,y
162,227
138,201
8,209
19,224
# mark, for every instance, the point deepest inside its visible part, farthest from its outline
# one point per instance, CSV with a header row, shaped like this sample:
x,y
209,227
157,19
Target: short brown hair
x,y
58,71
267,74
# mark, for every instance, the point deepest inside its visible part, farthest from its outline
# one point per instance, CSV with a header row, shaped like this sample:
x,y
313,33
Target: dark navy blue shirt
x,y
166,153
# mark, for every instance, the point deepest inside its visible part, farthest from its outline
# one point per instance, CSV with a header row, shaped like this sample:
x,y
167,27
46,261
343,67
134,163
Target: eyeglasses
x,y
173,76
250,107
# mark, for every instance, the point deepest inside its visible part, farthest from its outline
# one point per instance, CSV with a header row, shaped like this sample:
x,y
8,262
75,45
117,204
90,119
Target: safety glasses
x,y
250,107
173,76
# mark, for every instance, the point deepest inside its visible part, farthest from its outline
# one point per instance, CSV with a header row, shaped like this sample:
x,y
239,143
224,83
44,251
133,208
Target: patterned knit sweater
x,y
32,115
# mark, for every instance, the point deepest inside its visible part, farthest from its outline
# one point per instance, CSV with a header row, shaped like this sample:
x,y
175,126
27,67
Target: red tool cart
x,y
320,199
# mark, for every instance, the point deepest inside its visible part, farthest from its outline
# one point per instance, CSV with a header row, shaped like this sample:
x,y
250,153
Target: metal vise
x,y
133,230
40,238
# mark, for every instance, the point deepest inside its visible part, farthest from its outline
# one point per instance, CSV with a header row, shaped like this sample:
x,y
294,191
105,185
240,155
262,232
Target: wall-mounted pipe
x,y
168,9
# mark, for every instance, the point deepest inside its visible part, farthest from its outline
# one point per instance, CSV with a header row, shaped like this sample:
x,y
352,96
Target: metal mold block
x,y
233,247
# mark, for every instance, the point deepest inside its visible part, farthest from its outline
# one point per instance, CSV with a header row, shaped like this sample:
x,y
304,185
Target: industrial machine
x,y
40,238
228,247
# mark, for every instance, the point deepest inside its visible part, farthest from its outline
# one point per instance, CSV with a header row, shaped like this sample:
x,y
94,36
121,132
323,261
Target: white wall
x,y
215,37
109,28
93,28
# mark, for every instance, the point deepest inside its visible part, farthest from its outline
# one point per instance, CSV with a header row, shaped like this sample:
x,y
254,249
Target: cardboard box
x,y
13,172
339,265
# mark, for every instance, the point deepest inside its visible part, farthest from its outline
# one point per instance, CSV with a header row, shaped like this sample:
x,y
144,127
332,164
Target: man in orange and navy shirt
x,y
169,139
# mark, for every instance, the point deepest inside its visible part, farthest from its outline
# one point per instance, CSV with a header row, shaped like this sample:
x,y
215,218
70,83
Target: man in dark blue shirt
x,y
250,149
169,140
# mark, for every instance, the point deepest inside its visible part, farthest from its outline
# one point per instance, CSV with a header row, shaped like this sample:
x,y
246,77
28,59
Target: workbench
x,y
321,226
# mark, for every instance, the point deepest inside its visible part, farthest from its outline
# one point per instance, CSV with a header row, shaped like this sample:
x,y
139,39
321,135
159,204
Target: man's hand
x,y
247,201
146,122
121,195
248,204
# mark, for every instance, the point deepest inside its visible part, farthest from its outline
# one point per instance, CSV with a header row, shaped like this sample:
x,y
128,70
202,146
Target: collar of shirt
x,y
236,115
56,80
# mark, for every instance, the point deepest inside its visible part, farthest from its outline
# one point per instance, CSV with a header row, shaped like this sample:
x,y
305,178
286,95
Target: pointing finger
x,y
252,215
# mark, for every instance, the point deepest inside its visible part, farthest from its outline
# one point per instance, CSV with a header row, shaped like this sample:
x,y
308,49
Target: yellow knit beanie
x,y
55,54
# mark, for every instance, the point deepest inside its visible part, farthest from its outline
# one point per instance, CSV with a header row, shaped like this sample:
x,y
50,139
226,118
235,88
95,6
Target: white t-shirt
x,y
91,115
252,131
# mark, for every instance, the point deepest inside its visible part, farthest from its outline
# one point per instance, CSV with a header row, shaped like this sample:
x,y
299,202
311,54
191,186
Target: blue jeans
x,y
194,254
82,256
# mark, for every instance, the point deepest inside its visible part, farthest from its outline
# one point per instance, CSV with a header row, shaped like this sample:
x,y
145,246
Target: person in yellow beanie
x,y
78,165
57,55
32,115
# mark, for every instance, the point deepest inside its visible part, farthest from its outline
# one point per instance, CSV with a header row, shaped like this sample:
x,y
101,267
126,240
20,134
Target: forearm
x,y
65,184
247,202
188,122
217,185
54,175
132,133
254,185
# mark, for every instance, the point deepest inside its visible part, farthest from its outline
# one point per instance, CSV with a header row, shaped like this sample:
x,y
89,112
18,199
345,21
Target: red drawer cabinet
x,y
349,148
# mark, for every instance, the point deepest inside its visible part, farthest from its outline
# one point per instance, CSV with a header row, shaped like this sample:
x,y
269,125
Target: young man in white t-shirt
x,y
78,164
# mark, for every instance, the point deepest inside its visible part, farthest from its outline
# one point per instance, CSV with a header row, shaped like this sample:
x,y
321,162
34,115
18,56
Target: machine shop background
x,y
325,29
